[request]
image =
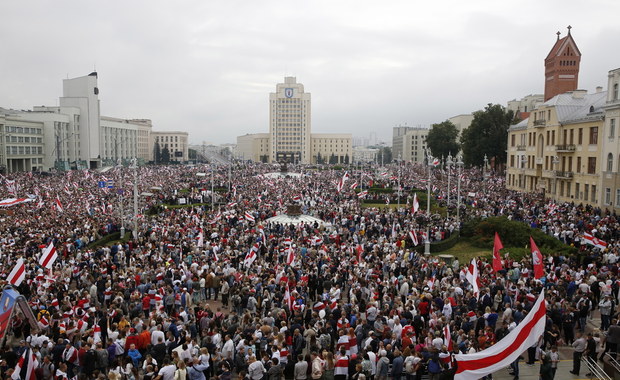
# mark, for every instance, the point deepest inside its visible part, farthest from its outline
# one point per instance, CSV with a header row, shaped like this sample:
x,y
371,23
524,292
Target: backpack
x,y
119,349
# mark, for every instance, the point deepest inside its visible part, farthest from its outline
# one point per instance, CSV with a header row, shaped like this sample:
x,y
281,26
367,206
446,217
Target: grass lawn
x,y
464,251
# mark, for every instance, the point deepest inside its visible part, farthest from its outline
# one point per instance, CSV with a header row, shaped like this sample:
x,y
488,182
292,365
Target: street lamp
x,y
427,242
486,162
399,156
449,164
555,162
459,165
134,166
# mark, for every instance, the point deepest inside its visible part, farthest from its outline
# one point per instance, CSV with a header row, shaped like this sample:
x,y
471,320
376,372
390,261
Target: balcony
x,y
561,174
521,147
566,148
540,123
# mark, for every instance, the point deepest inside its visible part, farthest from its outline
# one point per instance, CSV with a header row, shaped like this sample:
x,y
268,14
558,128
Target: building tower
x,y
289,122
562,66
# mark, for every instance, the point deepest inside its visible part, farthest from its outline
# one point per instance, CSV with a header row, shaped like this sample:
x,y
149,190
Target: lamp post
x,y
459,165
134,166
556,161
212,189
427,242
398,181
449,164
484,168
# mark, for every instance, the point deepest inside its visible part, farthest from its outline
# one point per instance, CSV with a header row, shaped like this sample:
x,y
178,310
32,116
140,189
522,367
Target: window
x,y
617,197
586,192
615,92
568,189
610,162
571,136
612,128
512,140
577,191
593,135
580,136
561,188
591,165
593,193
607,196
552,137
578,164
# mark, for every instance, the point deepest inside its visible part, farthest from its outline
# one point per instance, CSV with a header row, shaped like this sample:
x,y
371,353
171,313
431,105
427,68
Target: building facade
x,y
74,135
176,143
610,179
409,143
562,66
290,136
522,107
557,151
290,122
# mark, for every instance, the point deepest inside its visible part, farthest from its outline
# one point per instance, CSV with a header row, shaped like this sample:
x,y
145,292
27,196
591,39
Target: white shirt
x,y
167,372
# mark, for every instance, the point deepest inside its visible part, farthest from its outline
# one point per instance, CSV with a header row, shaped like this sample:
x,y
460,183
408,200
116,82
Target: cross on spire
x,y
569,28
558,33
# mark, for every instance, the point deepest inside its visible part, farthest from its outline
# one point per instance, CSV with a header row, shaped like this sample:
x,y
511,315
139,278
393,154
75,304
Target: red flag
x,y
447,338
537,260
497,259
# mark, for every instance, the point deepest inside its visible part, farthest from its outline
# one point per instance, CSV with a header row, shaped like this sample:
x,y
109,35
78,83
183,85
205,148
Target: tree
x,y
191,154
346,158
384,155
319,159
165,155
157,152
487,135
333,159
442,139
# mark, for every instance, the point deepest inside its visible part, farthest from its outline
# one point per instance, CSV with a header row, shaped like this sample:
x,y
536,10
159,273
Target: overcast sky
x,y
207,67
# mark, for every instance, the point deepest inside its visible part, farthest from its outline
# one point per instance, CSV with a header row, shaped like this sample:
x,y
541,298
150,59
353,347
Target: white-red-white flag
x,y
503,353
342,181
598,243
473,277
18,274
447,338
354,186
497,259
249,217
48,256
414,237
26,366
416,204
362,194
57,204
201,239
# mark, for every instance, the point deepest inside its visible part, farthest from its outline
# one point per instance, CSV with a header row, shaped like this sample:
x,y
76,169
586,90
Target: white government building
x,y
290,136
75,135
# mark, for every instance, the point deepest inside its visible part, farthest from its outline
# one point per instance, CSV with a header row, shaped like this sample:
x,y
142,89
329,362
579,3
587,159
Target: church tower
x,y
562,66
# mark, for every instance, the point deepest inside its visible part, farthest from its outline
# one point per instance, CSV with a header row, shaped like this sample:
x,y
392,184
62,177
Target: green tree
x,y
384,155
165,155
442,139
319,159
487,135
157,152
191,154
333,159
346,158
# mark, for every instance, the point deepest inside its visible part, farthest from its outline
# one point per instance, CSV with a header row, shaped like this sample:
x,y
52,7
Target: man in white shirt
x,y
255,369
228,349
167,371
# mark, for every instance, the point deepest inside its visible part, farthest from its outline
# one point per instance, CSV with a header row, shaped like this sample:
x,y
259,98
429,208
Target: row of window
x,y
567,136
563,188
22,150
32,131
564,163
24,139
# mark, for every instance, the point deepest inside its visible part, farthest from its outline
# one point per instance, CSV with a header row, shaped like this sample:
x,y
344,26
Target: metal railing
x,y
521,147
611,360
595,370
565,148
540,123
562,174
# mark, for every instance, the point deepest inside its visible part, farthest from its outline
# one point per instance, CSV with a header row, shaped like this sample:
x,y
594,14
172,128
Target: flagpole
x,y
427,242
135,198
459,165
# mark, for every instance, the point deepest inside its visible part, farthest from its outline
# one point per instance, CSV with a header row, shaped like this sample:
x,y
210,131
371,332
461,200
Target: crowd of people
x,y
207,291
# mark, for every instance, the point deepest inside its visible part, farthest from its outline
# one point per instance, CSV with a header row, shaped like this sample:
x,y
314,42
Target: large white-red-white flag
x,y
497,259
500,355
473,277
26,366
447,338
14,201
416,204
18,274
414,237
48,256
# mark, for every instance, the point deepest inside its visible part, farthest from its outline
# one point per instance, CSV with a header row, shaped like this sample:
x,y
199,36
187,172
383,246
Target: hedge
x,y
481,233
